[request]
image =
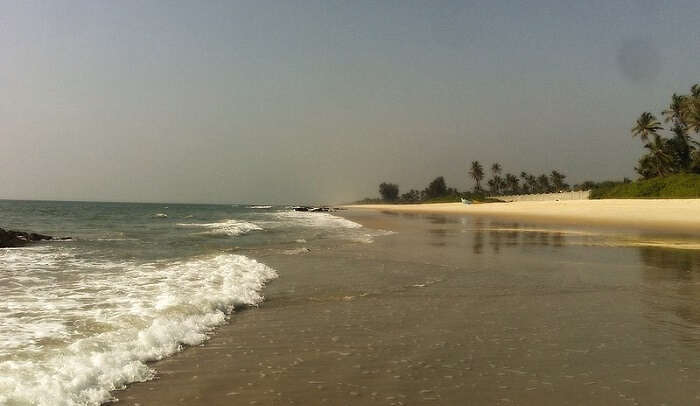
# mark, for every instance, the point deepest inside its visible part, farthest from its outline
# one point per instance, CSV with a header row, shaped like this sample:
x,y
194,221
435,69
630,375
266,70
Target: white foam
x,y
230,227
307,219
104,320
369,236
326,224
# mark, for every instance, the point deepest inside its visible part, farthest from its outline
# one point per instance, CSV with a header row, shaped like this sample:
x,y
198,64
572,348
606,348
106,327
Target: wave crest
x,y
152,310
230,228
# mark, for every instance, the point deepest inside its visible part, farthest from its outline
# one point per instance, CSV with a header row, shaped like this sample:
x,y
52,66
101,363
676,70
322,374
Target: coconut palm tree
x,y
681,148
543,184
695,90
646,167
496,183
660,157
492,186
646,126
525,186
692,113
532,183
500,183
690,110
676,114
675,111
512,184
557,179
477,173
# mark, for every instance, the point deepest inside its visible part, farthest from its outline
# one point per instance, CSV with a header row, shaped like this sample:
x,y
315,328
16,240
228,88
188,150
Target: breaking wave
x,y
230,228
71,338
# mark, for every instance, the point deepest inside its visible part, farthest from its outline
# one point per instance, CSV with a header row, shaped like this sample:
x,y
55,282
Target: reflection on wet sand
x,y
478,244
665,264
439,235
512,235
671,291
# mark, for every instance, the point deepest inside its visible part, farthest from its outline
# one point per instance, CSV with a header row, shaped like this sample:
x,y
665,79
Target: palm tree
x,y
531,183
496,183
512,183
657,151
477,173
525,188
558,183
647,125
681,148
690,110
492,186
692,113
646,167
695,90
543,184
675,111
500,183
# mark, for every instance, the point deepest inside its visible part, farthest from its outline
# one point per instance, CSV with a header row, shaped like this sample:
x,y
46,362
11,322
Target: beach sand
x,y
660,214
455,310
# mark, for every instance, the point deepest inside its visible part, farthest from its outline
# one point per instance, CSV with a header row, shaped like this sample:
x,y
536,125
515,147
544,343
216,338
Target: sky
x,y
320,101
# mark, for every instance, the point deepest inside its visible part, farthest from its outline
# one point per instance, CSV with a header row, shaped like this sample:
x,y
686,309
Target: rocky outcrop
x,y
9,238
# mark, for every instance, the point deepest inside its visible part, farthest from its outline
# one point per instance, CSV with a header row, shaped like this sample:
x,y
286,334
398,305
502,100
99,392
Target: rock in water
x,y
9,238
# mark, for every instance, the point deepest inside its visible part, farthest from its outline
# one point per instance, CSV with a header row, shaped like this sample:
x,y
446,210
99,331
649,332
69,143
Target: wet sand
x,y
660,214
456,310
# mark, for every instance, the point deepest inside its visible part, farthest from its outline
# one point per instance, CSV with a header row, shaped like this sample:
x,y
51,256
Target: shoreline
x,y
673,215
452,311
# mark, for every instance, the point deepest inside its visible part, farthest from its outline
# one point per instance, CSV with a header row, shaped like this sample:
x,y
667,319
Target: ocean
x,y
135,283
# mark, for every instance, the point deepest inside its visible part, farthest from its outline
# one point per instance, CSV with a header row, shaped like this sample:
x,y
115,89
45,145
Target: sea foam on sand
x,y
135,313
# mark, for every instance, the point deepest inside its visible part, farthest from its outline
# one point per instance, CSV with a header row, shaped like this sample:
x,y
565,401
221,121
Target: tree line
x,y
508,184
669,150
679,152
436,189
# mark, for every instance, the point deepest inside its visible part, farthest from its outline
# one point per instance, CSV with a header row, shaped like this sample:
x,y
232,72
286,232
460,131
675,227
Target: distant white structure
x,y
580,195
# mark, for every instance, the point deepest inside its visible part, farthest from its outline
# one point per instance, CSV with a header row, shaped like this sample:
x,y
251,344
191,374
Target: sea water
x,y
135,283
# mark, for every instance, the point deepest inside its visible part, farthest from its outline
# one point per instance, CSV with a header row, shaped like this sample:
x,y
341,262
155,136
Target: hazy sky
x,y
295,101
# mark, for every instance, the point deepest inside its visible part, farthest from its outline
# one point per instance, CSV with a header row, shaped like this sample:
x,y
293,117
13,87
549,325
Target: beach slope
x,y
660,214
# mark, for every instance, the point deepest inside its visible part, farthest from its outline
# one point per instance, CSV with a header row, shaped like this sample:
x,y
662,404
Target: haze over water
x,y
294,101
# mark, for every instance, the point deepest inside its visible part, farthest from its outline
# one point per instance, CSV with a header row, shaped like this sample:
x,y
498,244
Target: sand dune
x,y
663,214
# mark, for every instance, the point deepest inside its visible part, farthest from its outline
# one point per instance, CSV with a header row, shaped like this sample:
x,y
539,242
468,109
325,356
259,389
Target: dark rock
x,y
320,209
9,238
311,209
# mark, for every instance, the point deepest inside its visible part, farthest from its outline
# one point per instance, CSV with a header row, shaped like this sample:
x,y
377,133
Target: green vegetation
x,y
679,186
526,183
670,167
677,153
436,192
477,173
389,191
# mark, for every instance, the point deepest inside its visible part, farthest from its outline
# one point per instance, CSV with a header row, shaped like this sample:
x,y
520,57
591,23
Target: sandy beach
x,y
659,214
454,310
